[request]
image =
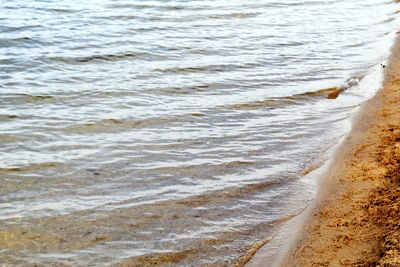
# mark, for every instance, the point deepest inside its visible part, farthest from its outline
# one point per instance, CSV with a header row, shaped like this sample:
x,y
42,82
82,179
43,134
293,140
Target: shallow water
x,y
173,132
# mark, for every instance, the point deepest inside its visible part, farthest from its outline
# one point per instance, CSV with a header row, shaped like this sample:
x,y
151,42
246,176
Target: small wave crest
x,y
296,99
328,93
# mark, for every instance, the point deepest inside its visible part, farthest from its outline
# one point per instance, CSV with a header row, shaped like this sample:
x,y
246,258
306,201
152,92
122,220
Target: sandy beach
x,y
356,220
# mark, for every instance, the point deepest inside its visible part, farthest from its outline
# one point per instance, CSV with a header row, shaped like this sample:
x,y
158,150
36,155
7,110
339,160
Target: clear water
x,y
172,132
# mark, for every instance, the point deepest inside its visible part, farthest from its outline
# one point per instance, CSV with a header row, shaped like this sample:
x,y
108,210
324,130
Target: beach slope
x,y
356,220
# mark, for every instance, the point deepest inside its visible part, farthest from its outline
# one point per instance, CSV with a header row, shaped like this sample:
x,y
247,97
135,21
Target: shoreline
x,y
355,218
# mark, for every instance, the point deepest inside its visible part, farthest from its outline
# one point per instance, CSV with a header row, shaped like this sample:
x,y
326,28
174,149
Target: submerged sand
x,y
356,221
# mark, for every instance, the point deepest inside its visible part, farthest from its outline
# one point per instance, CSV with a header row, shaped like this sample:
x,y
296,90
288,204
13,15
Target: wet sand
x,y
356,219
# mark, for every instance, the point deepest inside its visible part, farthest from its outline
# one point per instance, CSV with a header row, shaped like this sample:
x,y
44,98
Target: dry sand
x,y
356,220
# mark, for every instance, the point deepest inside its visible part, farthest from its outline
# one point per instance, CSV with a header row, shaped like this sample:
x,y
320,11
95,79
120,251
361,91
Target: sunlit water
x,y
172,132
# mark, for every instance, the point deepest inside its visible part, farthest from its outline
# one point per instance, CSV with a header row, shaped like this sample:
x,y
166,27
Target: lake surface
x,y
177,133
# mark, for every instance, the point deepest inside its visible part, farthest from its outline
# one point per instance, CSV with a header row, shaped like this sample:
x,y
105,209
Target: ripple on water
x,y
181,133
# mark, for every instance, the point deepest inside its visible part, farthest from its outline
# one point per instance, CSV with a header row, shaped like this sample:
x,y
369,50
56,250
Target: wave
x,y
21,41
183,90
328,93
7,117
9,29
266,103
228,194
88,59
234,15
207,69
157,7
32,167
297,99
8,138
58,10
115,125
27,98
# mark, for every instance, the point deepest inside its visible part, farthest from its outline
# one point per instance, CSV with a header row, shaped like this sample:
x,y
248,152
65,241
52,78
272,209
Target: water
x,y
173,132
